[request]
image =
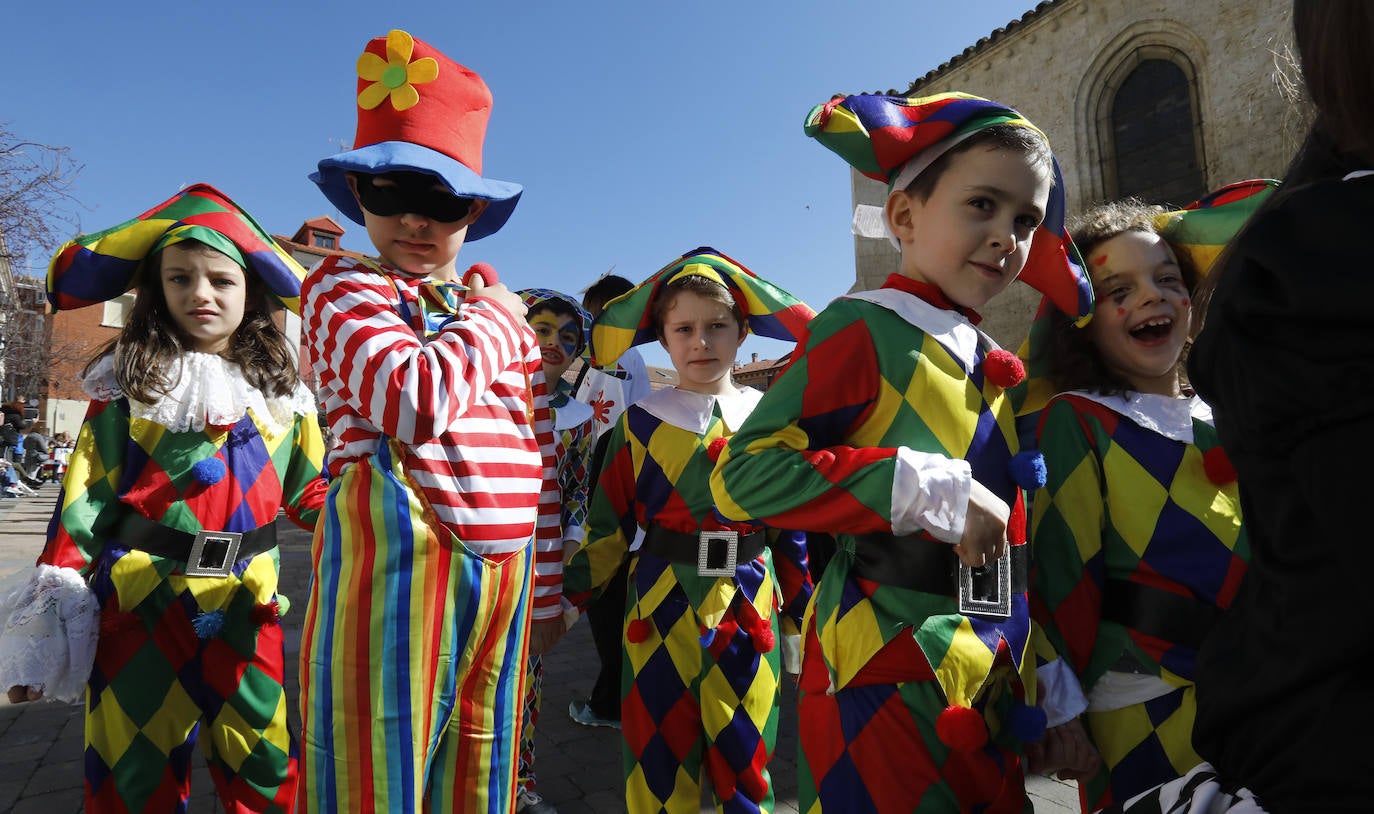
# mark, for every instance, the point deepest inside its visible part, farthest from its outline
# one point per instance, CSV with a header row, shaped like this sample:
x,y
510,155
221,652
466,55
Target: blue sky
x,y
639,130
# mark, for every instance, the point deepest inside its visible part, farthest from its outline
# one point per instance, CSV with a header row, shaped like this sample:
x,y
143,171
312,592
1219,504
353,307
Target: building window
x,y
117,310
1154,136
324,241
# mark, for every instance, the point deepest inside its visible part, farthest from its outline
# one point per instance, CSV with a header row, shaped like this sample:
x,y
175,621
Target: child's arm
x,y
811,456
88,508
1066,531
409,389
611,522
546,604
303,486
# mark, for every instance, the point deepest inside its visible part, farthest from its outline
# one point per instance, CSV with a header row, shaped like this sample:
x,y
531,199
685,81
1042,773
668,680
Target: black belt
x,y
207,553
1175,618
921,564
710,551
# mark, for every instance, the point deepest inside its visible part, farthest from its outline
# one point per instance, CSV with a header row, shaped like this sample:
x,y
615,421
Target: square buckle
x,y
717,553
213,554
986,591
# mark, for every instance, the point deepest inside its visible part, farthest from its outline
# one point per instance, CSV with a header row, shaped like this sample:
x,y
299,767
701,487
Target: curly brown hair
x,y
151,343
1074,362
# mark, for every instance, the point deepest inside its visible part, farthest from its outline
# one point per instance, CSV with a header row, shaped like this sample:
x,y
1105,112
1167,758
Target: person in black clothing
x,y
11,422
1286,359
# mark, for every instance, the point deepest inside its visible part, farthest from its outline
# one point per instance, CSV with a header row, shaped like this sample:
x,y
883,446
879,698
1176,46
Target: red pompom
x,y
1003,368
638,631
763,638
714,448
1218,466
961,729
483,270
266,614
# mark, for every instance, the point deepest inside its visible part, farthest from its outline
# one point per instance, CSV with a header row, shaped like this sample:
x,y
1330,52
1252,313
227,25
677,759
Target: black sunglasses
x,y
410,192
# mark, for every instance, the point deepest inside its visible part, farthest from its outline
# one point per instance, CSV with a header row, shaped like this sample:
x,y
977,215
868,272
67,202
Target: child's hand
x,y
18,694
1065,749
481,282
985,528
545,634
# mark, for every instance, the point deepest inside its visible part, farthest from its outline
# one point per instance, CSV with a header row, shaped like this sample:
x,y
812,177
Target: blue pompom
x,y
708,638
1028,469
209,471
1026,723
208,625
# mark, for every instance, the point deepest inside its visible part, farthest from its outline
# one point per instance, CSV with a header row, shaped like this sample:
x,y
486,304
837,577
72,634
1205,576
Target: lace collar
x,y
209,391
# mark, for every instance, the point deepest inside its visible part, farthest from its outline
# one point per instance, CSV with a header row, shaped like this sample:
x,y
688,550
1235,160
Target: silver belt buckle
x,y
986,591
213,554
717,553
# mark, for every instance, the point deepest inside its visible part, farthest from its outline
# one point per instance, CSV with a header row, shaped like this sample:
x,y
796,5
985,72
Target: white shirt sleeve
x,y
931,492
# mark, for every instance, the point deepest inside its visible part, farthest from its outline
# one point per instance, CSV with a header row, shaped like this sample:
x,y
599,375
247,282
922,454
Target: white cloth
x,y
48,631
209,390
610,394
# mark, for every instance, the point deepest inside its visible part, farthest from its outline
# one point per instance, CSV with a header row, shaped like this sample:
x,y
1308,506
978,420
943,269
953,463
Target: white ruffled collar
x,y
210,391
1170,417
692,411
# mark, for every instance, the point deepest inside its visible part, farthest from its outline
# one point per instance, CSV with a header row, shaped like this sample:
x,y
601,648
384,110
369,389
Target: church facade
x,y
1158,99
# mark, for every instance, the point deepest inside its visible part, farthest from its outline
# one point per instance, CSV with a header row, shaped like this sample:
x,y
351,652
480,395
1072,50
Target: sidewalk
x,y
578,767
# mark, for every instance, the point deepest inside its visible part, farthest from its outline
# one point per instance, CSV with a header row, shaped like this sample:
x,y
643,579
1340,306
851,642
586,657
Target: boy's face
x,y
558,336
972,236
702,338
418,242
1143,310
205,293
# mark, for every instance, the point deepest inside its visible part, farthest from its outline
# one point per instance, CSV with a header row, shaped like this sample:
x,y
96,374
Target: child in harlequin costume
x,y
1138,538
161,560
418,624
608,392
704,597
892,431
562,329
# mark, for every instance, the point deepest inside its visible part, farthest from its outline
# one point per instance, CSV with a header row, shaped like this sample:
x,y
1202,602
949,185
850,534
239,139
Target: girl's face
x,y
205,293
702,337
559,336
1143,310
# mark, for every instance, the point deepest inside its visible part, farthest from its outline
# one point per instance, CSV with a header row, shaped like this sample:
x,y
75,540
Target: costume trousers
x,y
180,654
534,696
872,746
692,693
606,617
412,656
1142,746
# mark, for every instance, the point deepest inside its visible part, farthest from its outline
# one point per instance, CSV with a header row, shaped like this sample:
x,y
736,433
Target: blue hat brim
x,y
404,156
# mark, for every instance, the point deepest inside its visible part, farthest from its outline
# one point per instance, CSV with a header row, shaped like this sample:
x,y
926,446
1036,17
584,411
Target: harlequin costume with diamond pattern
x,y
183,658
574,430
417,628
906,704
1139,494
1139,522
700,652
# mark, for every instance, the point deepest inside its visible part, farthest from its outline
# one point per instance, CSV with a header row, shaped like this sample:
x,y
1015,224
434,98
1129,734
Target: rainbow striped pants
x,y
412,657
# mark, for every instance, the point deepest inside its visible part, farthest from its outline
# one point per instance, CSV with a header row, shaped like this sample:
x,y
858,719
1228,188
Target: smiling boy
x,y
893,432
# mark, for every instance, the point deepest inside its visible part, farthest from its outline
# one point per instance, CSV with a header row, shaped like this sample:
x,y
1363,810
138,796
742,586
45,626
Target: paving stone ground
x,y
578,767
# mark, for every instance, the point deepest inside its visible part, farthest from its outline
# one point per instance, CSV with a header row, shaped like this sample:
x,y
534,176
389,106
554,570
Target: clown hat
x,y
419,111
894,138
628,320
1198,231
534,297
101,266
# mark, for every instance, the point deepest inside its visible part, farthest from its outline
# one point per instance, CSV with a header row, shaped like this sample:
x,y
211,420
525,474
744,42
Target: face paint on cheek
x,y
545,326
568,345
1121,312
1187,302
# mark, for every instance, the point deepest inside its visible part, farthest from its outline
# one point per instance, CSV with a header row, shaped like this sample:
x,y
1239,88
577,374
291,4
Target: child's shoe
x,y
529,802
581,712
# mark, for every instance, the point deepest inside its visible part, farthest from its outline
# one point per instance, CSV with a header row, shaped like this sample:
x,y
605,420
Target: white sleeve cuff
x,y
1061,696
931,492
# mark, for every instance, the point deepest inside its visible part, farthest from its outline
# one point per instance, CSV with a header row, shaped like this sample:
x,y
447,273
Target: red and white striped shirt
x,y
468,404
